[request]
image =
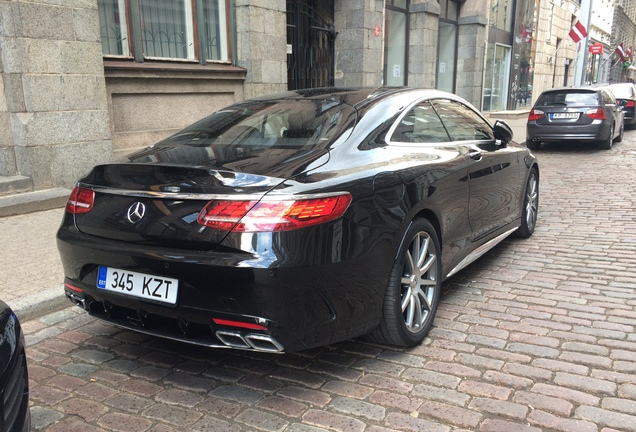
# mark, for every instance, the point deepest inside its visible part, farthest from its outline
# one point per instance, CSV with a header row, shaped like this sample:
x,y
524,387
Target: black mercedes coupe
x,y
298,220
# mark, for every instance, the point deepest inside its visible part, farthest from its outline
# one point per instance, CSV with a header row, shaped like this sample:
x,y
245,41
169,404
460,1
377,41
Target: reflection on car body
x,y
298,220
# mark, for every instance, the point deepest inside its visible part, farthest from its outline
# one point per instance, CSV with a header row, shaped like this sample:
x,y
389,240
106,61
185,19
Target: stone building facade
x,y
623,31
83,82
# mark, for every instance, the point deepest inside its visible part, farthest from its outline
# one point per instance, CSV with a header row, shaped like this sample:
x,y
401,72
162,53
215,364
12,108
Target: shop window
x,y
164,29
395,42
447,46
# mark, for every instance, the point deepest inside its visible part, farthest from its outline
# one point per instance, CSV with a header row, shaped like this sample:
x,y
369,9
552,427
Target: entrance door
x,y
310,44
497,77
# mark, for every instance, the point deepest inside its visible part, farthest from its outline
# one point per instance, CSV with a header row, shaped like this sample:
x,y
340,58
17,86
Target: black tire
x,y
530,206
533,145
607,144
414,288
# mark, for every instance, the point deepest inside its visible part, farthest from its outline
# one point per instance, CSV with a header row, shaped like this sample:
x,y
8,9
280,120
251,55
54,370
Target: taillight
x,y
596,114
535,115
80,201
630,104
270,215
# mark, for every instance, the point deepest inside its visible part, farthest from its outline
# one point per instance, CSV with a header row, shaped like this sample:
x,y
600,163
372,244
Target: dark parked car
x,y
298,220
14,379
575,114
625,94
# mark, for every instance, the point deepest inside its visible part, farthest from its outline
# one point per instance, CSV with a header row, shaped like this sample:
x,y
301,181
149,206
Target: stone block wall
x,y
261,33
54,112
358,49
423,41
471,54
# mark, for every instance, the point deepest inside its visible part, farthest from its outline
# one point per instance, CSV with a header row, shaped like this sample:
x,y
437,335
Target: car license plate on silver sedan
x,y
559,116
138,284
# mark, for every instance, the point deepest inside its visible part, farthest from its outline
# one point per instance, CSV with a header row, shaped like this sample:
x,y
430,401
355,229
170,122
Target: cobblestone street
x,y
537,335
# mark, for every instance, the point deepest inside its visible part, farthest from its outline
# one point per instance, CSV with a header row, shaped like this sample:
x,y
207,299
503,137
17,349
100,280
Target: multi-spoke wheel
x,y
414,288
530,206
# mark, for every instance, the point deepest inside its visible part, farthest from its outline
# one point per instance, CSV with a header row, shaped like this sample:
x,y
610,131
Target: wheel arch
x,y
430,216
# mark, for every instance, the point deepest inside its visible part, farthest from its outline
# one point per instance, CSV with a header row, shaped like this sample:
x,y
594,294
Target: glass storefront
x,y
497,75
447,45
510,57
395,39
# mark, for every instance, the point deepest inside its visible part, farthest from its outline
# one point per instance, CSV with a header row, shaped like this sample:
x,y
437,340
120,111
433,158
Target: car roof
x,y
356,96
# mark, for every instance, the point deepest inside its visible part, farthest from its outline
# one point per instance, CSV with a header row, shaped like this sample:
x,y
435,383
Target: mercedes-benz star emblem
x,y
136,212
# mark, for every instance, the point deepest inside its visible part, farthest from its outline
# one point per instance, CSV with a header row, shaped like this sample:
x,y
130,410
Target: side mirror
x,y
503,131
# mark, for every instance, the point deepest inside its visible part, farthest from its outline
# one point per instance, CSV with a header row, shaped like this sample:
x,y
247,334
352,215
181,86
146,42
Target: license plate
x,y
565,115
138,284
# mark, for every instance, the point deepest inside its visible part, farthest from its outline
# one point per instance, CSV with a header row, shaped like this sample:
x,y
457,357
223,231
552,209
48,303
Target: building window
x,y
501,14
183,30
395,42
447,46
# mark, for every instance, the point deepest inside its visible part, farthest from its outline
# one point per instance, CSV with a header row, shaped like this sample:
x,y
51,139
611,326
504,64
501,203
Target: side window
x,y
462,123
608,98
420,125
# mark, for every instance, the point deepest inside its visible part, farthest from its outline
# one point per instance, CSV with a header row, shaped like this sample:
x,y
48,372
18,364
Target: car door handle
x,y
475,154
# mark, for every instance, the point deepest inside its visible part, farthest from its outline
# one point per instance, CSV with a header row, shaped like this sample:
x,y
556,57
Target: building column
x,y
55,104
358,48
471,56
261,33
423,41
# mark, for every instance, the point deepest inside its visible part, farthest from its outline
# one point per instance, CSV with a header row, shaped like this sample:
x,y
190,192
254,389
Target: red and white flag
x,y
621,52
578,32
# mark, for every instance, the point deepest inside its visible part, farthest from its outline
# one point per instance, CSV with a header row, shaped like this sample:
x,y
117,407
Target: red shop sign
x,y
596,48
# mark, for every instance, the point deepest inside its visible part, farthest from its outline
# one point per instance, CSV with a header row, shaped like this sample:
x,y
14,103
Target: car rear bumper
x,y
555,133
268,308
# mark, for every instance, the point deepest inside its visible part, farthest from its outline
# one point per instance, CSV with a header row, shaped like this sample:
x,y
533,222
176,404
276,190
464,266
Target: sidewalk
x,y
31,278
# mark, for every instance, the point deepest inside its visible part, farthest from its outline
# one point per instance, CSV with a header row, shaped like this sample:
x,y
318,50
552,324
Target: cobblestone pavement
x,y
536,335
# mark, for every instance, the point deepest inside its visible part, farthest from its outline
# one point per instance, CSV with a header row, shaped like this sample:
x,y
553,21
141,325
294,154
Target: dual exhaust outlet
x,y
229,339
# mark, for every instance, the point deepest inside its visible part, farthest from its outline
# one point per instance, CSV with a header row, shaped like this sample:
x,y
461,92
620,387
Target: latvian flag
x,y
578,32
621,52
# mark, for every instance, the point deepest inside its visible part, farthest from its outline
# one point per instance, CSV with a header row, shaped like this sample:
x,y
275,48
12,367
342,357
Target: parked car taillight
x,y
630,104
596,114
535,115
266,215
80,201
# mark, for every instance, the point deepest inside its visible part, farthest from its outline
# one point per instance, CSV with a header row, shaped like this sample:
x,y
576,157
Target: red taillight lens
x,y
596,114
535,115
239,324
251,216
630,104
73,288
80,201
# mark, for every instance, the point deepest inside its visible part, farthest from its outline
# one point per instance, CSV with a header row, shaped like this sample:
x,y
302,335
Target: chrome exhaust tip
x,y
77,300
251,341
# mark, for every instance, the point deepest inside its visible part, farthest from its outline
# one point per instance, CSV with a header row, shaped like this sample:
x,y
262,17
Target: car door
x,y
493,171
437,177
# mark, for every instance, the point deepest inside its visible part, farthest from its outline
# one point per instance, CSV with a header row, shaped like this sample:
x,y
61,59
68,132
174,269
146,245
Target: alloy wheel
x,y
419,282
532,201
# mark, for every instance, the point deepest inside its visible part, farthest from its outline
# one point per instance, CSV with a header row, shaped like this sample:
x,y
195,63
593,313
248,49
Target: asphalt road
x,y
536,335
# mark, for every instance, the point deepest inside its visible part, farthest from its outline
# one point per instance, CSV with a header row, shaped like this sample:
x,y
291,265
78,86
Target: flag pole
x,y
581,60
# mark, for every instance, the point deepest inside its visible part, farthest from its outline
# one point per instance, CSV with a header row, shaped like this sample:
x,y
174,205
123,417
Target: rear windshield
x,y
622,90
569,98
292,123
